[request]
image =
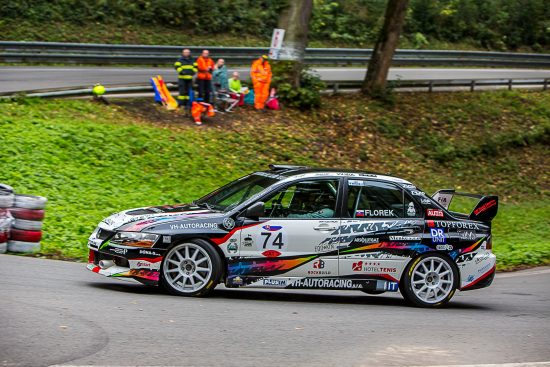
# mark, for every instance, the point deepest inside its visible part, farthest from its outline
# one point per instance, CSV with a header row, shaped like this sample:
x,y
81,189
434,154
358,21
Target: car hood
x,y
139,218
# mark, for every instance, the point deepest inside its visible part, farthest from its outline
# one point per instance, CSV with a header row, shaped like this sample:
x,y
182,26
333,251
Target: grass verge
x,y
91,160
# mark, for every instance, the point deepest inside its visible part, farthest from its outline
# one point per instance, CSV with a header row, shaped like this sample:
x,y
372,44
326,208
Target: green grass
x,y
92,160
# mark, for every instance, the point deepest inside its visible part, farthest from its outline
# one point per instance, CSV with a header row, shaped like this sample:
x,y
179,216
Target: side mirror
x,y
256,210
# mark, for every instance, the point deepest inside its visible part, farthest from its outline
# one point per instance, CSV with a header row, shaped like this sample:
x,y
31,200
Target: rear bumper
x,y
478,272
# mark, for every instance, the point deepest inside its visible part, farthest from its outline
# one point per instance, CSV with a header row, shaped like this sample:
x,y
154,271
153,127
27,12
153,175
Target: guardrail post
x,y
472,85
510,84
335,88
431,86
545,84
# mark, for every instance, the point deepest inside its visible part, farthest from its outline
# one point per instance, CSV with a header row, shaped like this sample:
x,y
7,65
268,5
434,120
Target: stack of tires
x,y
6,201
26,231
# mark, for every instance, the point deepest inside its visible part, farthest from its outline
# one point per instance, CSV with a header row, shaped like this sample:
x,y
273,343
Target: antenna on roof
x,y
278,167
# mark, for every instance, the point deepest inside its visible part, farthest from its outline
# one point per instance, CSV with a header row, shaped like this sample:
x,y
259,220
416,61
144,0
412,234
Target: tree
x,y
295,21
382,54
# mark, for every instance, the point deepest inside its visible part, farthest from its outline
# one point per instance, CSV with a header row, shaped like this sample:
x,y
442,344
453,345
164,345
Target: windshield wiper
x,y
204,204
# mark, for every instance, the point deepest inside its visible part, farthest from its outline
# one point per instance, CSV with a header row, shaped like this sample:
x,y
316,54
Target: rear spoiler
x,y
485,210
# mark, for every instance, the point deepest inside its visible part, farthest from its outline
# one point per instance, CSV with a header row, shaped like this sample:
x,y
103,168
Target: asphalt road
x,y
19,78
54,312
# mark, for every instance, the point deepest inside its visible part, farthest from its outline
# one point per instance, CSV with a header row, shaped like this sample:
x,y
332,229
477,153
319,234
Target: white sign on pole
x,y
276,43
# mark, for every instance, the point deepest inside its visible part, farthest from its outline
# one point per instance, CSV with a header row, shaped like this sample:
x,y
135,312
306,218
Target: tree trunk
x,y
382,54
295,21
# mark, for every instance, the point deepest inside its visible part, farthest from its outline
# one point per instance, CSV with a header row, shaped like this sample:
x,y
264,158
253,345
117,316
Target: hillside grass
x,y
22,30
92,160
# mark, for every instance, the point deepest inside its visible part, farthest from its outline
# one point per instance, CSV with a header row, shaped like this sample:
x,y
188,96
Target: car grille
x,y
104,234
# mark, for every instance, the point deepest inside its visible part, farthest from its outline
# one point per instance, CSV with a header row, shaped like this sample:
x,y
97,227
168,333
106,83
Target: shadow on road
x,y
286,296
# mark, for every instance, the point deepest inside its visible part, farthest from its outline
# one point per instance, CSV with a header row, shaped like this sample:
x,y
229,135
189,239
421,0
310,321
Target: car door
x,y
380,221
299,217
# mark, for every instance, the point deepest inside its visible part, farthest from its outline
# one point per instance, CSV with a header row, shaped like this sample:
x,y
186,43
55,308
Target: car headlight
x,y
135,239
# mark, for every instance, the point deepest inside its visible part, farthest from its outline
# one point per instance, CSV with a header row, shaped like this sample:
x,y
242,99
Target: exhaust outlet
x,y
105,264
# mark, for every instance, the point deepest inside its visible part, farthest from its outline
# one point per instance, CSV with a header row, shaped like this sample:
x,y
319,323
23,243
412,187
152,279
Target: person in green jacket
x,y
236,87
219,76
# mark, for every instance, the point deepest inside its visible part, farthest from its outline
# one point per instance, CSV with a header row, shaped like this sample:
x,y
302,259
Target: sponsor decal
x,y
318,264
405,238
271,253
409,186
466,235
438,235
425,201
369,255
359,213
470,278
275,282
484,268
232,248
248,241
411,211
325,247
269,228
481,258
121,251
325,283
466,257
194,226
435,213
228,223
485,206
166,239
379,213
371,267
417,193
149,252
237,280
452,225
444,247
366,240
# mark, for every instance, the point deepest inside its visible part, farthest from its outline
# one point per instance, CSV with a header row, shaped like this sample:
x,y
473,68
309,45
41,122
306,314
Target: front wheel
x,y
430,280
193,268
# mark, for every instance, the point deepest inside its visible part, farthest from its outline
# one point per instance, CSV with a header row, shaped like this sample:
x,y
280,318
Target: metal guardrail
x,y
332,87
90,53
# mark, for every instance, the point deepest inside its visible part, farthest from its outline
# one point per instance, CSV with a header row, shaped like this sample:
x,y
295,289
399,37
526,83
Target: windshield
x,y
237,192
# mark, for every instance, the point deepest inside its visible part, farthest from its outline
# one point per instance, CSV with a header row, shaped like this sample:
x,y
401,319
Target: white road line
x,y
522,273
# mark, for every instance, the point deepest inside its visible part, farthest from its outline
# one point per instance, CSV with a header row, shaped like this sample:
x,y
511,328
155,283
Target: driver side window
x,y
304,199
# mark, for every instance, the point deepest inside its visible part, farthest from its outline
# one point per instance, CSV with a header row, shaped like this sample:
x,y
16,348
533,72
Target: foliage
x,y
92,160
307,96
488,24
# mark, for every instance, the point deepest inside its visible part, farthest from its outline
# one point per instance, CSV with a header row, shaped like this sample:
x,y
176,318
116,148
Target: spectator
x,y
219,76
260,74
236,88
186,69
205,66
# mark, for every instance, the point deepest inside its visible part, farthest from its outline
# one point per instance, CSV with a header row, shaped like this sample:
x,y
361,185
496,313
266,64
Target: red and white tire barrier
x,y
20,221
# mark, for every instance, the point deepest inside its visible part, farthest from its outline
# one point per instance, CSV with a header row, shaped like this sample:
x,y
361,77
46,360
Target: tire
x,y
30,201
430,280
27,214
6,199
177,279
27,225
3,236
3,247
21,246
25,236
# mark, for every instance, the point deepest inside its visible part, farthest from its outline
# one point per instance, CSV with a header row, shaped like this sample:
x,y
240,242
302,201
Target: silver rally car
x,y
298,227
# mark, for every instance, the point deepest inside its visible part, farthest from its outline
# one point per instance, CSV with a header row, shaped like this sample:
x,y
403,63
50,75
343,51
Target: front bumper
x,y
142,264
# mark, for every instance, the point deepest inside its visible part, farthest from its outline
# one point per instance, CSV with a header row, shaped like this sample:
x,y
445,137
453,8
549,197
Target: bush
x,y
307,96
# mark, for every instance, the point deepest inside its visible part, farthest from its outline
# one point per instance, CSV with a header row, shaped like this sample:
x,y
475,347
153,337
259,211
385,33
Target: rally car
x,y
298,227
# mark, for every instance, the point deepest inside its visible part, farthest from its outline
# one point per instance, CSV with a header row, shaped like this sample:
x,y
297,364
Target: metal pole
x,y
472,85
510,84
430,86
545,84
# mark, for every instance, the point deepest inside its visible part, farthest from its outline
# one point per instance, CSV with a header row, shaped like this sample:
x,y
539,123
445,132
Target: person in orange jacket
x,y
205,66
198,108
261,78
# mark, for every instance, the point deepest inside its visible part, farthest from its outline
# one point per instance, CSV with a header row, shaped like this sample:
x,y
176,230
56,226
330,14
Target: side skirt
x,y
370,284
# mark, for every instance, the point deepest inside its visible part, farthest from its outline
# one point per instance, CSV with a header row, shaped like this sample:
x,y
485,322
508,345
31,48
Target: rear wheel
x,y
192,268
430,280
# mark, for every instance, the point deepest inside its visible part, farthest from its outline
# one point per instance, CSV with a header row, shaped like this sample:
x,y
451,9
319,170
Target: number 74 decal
x,y
272,241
